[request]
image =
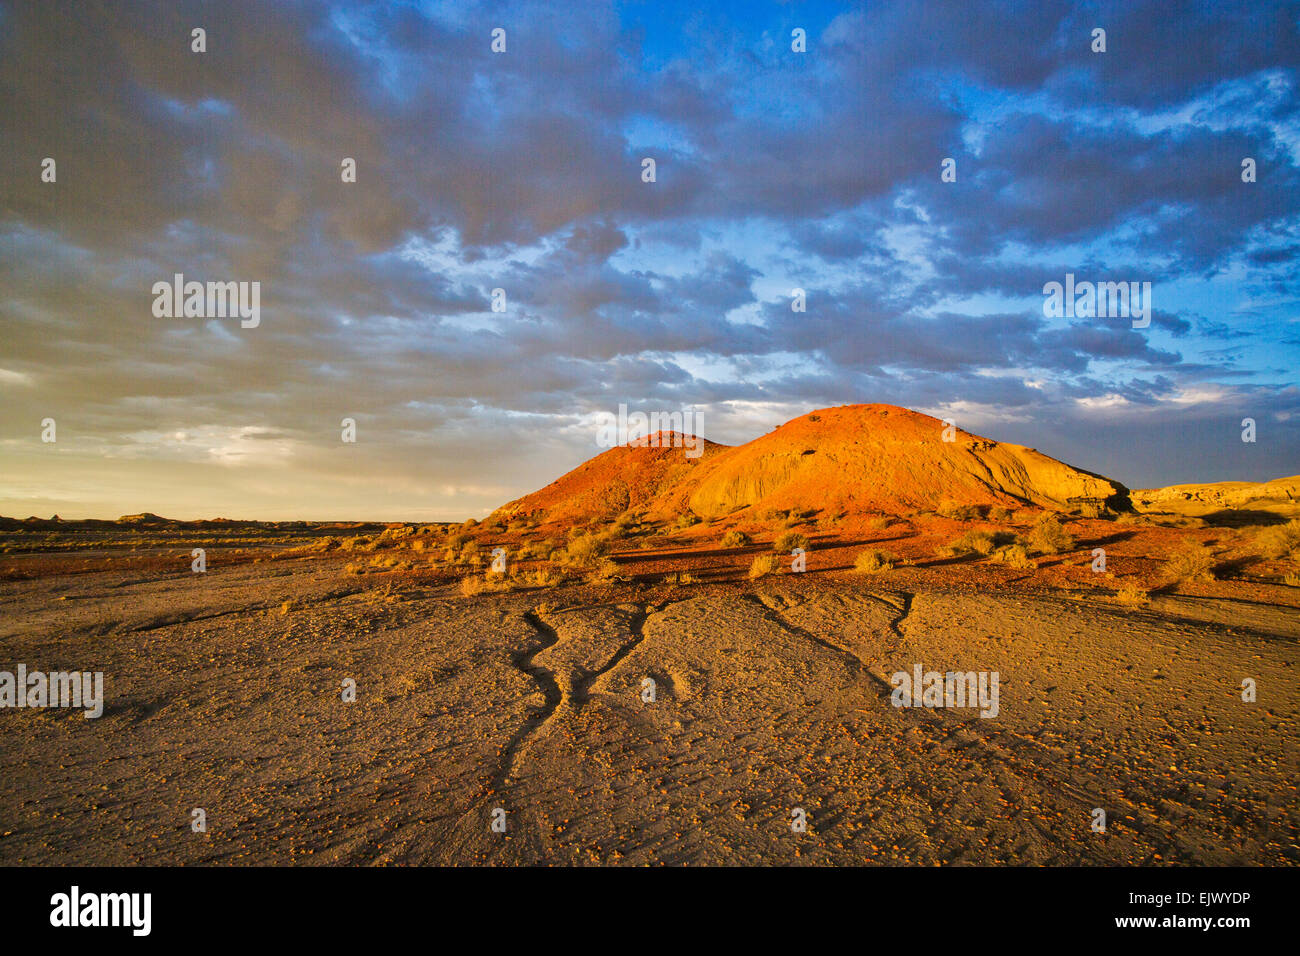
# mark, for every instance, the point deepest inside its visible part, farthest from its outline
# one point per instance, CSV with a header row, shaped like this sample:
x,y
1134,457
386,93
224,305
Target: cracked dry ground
x,y
770,696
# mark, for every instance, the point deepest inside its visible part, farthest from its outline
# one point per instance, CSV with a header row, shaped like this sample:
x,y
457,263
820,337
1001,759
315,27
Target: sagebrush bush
x,y
972,542
763,565
1195,562
1279,540
1131,594
959,512
585,550
735,539
790,540
873,562
1014,556
606,572
1049,536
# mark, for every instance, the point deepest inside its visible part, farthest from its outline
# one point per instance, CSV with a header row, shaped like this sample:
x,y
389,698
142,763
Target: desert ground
x,y
523,690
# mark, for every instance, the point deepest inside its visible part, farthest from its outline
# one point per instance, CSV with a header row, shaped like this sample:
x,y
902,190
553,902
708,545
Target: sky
x,y
775,169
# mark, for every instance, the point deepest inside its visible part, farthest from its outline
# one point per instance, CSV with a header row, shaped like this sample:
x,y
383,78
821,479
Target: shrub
x,y
1015,556
1279,540
828,522
763,565
1131,594
606,572
545,577
972,542
1049,536
957,512
872,562
789,541
686,520
1195,562
880,523
735,539
585,550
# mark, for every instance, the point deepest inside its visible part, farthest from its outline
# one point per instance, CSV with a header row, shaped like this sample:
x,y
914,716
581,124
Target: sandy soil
x,y
771,695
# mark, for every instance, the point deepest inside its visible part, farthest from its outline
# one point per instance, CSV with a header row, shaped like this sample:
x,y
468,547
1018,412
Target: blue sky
x,y
522,171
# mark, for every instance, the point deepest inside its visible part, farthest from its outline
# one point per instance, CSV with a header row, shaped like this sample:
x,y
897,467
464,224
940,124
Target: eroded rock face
x,y
1280,494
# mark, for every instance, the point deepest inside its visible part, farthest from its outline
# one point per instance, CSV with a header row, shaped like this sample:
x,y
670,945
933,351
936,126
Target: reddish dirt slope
x,y
854,458
632,476
881,458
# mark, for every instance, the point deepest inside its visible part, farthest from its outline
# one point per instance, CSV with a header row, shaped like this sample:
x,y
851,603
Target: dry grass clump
x,y
1195,562
1132,594
585,550
790,540
829,521
735,539
763,565
972,542
491,582
605,572
469,586
544,578
959,512
873,562
679,577
686,520
880,522
1048,536
1279,540
1014,556
1001,515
